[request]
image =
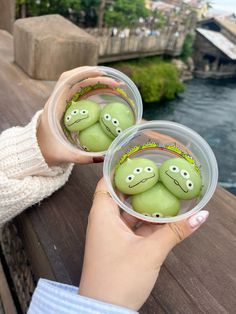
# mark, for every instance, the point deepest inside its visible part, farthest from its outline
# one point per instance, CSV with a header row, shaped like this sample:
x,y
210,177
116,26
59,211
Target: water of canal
x,y
208,107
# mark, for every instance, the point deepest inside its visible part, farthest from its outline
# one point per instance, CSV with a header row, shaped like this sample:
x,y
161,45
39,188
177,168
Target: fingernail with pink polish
x,y
198,219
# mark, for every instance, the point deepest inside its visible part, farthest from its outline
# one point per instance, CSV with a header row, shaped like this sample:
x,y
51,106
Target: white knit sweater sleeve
x,y
25,178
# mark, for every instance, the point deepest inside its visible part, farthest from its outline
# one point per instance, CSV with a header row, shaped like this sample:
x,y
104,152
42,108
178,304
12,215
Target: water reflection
x,y
208,107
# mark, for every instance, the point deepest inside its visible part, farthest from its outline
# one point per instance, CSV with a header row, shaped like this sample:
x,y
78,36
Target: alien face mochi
x,y
81,115
156,202
180,178
136,175
116,117
94,139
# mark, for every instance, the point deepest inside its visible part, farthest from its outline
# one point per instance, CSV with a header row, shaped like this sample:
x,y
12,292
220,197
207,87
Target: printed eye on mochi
x,y
136,175
115,118
81,115
94,139
180,178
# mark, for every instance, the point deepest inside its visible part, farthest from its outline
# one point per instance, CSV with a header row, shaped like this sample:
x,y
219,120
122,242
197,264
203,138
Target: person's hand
x,y
122,258
54,152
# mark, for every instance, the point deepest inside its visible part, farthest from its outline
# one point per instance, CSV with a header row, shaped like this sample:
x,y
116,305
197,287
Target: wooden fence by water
x,y
166,41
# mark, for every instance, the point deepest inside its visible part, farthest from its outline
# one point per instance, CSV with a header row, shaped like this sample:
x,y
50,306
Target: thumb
x,y
173,233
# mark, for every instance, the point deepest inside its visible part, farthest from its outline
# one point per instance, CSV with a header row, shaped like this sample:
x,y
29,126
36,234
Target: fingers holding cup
x,y
77,129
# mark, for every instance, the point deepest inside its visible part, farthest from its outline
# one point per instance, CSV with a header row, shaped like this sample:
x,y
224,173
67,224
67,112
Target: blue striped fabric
x,y
55,298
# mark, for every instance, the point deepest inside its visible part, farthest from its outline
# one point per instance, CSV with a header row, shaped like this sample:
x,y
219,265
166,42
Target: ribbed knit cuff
x,y
20,154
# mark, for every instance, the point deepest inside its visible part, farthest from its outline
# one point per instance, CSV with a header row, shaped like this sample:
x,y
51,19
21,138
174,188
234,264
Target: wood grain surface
x,y
199,275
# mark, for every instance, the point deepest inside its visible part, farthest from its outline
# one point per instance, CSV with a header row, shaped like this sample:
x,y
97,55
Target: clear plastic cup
x,y
158,141
122,89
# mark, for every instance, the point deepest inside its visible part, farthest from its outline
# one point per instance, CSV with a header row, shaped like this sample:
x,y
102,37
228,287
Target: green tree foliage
x,y
93,13
187,49
124,12
119,13
158,19
40,7
89,10
156,79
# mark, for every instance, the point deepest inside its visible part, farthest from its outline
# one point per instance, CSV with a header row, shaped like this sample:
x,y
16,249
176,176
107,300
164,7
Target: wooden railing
x,y
168,41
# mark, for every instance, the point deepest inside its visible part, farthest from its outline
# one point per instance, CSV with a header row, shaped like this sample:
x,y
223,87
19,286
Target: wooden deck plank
x,y
6,302
20,95
201,268
199,276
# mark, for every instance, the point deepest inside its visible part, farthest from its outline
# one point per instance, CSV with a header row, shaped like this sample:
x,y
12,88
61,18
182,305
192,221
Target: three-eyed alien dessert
x,y
95,127
158,192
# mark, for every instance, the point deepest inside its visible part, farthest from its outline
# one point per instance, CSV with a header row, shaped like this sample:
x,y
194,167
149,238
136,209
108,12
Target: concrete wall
x,y
45,46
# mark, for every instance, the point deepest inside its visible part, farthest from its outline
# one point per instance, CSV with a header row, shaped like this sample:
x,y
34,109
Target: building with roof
x,y
199,6
148,4
215,48
225,25
162,6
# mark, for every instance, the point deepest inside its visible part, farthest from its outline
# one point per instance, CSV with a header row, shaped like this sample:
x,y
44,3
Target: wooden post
x,y
7,14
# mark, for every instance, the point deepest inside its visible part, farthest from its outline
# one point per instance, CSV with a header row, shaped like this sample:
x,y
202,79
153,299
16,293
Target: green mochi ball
x,y
81,115
180,178
116,117
136,175
156,202
94,139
